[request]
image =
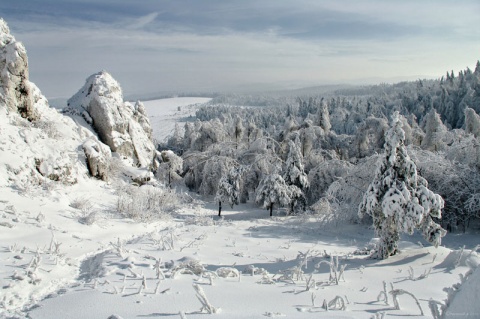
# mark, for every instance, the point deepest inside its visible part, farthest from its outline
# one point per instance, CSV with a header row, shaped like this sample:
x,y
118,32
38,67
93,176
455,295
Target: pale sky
x,y
154,46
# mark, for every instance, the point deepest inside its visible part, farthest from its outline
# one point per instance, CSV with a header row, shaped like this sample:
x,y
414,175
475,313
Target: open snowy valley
x,y
362,204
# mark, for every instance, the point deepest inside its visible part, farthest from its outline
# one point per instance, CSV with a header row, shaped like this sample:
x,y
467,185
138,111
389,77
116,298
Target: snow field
x,y
125,282
163,113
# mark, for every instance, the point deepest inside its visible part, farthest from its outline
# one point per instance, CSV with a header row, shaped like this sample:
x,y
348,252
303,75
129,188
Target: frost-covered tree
x,y
239,130
170,167
273,190
472,122
398,199
215,167
229,188
435,131
176,140
323,117
458,184
294,174
294,171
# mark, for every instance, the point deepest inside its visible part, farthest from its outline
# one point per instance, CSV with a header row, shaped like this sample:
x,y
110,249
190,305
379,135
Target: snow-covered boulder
x,y
98,157
124,127
15,88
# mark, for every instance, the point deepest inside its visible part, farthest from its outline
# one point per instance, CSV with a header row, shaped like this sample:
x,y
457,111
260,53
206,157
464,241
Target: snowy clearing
x,y
164,112
248,264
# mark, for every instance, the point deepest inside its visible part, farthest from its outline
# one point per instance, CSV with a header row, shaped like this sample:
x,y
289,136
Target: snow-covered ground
x,y
163,113
55,265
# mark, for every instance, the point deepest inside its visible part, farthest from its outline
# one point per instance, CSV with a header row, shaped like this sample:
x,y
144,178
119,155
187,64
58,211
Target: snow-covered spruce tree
x,y
229,188
398,199
323,117
472,122
435,131
273,190
294,174
239,130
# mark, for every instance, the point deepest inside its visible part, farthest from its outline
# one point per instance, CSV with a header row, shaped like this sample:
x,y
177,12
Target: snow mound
x,y
124,127
465,303
461,257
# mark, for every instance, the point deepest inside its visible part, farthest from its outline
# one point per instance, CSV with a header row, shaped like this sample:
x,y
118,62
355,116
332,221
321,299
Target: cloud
x,y
209,45
143,21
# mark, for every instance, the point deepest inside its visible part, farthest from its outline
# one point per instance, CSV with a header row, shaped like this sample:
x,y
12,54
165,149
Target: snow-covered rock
x,y
124,127
38,145
15,88
98,157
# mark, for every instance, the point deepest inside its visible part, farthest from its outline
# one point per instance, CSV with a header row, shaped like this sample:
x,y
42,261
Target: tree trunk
x,y
219,208
271,209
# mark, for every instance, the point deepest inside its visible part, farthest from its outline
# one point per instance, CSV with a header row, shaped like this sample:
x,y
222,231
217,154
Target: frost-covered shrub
x,y
86,212
146,202
48,127
398,199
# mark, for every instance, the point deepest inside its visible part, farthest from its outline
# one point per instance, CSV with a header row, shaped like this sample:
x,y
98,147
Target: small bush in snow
x,y
146,202
87,215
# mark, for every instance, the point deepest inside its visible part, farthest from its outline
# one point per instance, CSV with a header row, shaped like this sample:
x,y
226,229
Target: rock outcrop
x,y
15,88
38,145
124,127
98,157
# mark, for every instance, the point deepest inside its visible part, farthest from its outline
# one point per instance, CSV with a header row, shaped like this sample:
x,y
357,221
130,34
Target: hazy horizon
x,y
218,45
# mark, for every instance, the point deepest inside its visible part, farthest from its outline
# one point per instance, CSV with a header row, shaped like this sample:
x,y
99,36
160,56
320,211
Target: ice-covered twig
x,y
337,303
434,308
459,258
310,283
206,305
397,292
383,294
158,270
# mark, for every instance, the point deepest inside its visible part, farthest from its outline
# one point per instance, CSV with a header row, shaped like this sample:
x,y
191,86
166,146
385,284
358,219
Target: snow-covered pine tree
x,y
229,188
273,190
472,122
323,117
435,131
398,199
239,130
294,174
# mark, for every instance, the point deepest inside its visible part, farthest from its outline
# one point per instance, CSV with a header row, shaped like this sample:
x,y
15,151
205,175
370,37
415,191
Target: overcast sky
x,y
183,45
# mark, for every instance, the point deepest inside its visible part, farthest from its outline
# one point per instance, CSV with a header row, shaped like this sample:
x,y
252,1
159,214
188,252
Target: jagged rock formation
x,y
37,144
124,127
15,88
